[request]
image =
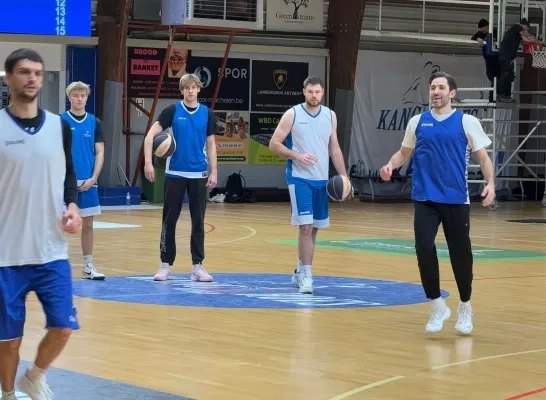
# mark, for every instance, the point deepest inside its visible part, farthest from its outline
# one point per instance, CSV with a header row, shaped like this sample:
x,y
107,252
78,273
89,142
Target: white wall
x,y
51,53
255,175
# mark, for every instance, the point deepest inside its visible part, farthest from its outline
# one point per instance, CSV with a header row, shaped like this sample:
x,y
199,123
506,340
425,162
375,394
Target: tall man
x,y
310,131
37,178
193,127
442,140
88,154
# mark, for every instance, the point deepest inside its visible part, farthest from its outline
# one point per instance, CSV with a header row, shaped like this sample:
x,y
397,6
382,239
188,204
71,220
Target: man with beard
x,y
193,127
310,131
442,140
37,177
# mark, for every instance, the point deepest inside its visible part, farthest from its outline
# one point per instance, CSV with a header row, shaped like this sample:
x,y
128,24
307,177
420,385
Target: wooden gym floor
x,y
280,352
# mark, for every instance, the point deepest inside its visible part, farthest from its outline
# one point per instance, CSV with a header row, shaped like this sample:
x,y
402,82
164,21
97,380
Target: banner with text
x,y
277,85
235,86
232,142
144,70
295,15
390,88
262,127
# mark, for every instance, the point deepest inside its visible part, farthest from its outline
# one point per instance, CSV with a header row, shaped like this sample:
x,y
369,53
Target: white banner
x,y
295,15
390,88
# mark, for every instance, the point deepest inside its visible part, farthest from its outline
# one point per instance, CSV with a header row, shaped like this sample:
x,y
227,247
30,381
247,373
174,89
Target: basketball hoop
x,y
537,52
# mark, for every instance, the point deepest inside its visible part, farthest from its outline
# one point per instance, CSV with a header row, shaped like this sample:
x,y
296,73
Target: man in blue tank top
x,y
442,141
307,137
88,153
193,127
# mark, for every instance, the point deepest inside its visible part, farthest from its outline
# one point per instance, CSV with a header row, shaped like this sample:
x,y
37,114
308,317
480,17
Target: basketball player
x,y
193,127
88,154
442,140
310,131
36,177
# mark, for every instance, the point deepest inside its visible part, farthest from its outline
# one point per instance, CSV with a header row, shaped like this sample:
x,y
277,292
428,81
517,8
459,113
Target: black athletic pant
x,y
507,76
175,189
455,220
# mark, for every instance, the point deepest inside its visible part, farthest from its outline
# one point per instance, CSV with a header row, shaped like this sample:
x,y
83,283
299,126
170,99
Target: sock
x,y
306,269
299,266
438,302
35,373
87,260
9,395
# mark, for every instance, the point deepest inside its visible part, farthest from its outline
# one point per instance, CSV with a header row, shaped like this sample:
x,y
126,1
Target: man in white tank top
x,y
310,132
37,179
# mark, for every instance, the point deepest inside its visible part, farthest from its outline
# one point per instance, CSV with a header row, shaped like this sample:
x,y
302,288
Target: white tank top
x,y
32,174
310,134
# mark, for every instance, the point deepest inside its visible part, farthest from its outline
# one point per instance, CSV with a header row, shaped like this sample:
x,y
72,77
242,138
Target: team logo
x,y
279,77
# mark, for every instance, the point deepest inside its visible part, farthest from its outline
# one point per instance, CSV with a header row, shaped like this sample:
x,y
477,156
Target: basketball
x,y
339,187
164,145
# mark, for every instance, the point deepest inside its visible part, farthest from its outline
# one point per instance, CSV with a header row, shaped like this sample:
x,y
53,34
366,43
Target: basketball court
x,y
251,335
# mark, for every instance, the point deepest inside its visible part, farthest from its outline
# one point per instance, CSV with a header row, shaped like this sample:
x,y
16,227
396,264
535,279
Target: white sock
x,y
306,269
439,302
9,395
87,260
35,373
299,266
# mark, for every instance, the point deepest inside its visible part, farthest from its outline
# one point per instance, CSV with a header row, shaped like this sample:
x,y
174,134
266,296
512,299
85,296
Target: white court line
x,y
370,386
519,353
520,325
443,366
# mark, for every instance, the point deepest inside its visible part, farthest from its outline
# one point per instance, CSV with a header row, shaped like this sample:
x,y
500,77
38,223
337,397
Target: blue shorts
x,y
88,201
52,283
309,204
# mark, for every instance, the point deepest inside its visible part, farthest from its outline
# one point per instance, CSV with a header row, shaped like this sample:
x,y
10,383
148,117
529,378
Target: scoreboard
x,y
46,17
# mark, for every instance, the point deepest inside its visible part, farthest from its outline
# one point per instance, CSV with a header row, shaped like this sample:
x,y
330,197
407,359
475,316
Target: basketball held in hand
x,y
164,145
339,187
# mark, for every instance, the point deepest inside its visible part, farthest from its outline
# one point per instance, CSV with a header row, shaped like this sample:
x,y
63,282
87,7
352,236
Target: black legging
x,y
175,189
455,219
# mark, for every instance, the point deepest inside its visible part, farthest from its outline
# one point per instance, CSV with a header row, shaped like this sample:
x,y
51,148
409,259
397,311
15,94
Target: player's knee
x,y
306,230
60,335
87,223
10,347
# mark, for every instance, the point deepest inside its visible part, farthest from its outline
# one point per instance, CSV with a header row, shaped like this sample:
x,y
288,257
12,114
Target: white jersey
x,y
310,134
32,175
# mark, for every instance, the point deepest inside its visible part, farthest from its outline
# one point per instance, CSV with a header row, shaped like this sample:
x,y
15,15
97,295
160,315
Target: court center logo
x,y
280,76
266,291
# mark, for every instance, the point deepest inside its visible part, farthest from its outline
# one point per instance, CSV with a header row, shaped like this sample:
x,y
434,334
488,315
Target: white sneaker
x,y
36,390
89,272
304,281
163,273
464,322
439,313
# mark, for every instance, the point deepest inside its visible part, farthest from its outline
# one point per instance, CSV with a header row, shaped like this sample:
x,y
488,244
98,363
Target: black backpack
x,y
235,188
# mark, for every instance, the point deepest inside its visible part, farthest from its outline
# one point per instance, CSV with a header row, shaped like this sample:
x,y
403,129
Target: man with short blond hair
x,y
88,153
193,127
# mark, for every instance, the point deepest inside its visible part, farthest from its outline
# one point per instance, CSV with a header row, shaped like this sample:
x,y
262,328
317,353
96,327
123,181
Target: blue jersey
x,y
310,134
442,147
189,129
83,144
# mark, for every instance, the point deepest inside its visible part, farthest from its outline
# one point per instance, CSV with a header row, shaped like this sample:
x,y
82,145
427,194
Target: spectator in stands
x,y
492,66
507,53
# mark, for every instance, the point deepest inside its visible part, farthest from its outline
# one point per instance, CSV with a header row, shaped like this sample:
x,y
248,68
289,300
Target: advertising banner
x,y
277,85
232,142
262,127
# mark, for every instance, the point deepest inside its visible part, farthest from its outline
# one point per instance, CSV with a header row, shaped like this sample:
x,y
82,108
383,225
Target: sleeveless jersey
x,y
440,159
189,129
310,134
32,176
83,144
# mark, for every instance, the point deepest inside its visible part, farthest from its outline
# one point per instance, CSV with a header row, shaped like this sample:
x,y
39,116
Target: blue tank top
x,y
189,129
440,160
310,134
83,144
